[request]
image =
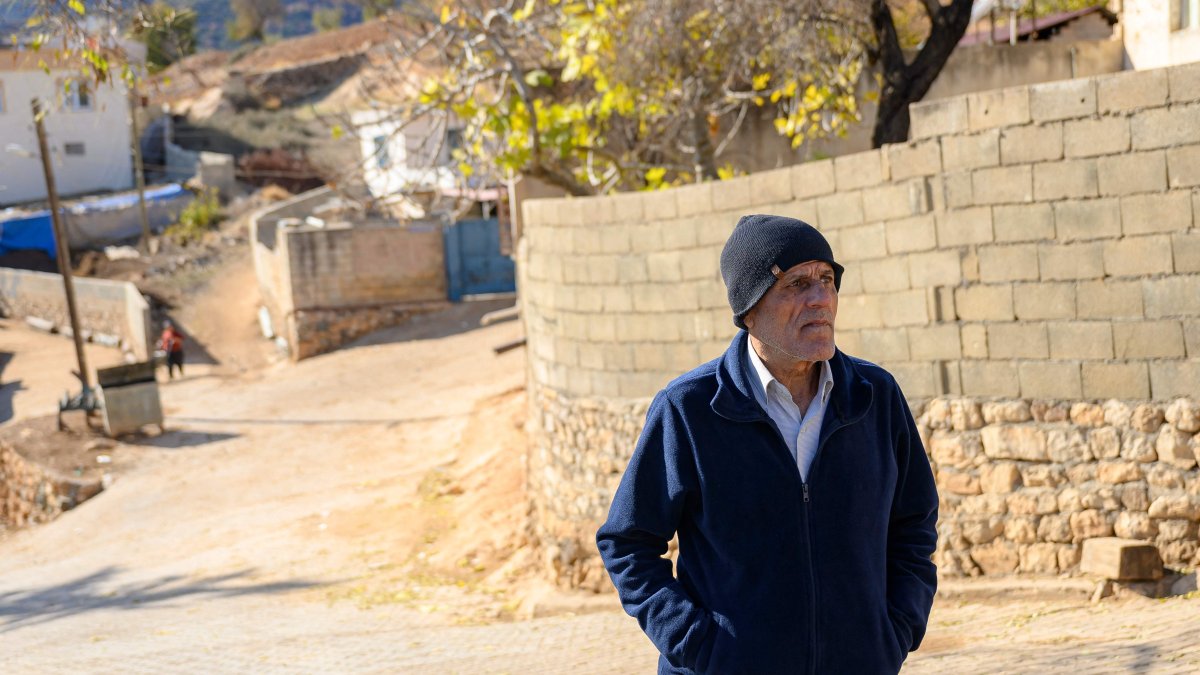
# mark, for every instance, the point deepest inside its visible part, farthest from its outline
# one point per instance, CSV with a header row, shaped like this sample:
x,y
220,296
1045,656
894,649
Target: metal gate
x,y
474,263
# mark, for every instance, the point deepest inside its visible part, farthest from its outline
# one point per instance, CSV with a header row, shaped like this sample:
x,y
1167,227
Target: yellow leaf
x,y
759,101
524,12
761,80
337,131
76,6
446,14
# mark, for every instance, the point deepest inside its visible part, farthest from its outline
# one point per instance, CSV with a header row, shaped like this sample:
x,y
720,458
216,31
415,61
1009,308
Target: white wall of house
x,y
1161,33
395,160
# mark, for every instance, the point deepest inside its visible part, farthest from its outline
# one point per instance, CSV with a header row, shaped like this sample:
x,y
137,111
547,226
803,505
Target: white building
x,y
1161,33
87,128
396,160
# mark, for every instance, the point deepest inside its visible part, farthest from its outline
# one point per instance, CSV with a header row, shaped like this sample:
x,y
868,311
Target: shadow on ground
x,y
97,591
178,439
458,318
7,389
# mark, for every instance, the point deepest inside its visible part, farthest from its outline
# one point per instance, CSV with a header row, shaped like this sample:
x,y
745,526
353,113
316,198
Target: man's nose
x,y
820,295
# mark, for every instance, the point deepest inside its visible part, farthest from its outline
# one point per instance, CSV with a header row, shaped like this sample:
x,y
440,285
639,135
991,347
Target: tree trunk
x,y
703,156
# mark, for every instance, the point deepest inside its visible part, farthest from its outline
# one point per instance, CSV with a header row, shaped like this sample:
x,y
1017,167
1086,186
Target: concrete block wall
x,y
1035,243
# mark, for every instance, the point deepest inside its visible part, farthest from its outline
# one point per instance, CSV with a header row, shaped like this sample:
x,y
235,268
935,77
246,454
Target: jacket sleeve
x,y
912,532
645,514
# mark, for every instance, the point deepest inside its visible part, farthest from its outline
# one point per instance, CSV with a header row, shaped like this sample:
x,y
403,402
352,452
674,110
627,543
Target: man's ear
x,y
748,319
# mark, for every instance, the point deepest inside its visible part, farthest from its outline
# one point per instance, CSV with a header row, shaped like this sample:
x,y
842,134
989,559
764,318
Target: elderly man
x,y
795,480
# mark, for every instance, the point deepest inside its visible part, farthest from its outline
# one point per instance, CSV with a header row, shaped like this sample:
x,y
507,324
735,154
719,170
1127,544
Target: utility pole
x,y
138,174
60,239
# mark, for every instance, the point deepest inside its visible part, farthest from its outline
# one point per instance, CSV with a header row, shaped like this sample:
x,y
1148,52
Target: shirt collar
x,y
765,378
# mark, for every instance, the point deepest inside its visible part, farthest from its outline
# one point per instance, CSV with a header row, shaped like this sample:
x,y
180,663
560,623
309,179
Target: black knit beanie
x,y
759,242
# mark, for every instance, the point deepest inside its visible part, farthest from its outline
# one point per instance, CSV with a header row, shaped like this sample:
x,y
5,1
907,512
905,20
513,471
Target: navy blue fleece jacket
x,y
776,575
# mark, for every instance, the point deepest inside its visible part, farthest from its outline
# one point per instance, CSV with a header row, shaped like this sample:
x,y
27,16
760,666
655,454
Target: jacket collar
x,y
734,400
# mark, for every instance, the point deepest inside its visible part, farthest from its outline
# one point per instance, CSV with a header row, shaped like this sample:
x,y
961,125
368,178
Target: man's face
x,y
796,315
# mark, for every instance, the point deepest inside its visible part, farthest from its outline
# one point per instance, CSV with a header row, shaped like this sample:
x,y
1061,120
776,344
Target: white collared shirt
x,y
801,431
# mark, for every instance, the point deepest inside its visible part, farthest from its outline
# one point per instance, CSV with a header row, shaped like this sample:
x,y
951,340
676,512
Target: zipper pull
x,y
805,486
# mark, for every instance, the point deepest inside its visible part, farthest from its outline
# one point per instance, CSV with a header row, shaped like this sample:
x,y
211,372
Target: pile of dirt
x,y
81,451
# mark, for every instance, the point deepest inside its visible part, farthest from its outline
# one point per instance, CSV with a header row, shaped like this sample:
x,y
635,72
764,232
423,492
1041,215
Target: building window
x,y
73,149
382,159
1187,14
78,96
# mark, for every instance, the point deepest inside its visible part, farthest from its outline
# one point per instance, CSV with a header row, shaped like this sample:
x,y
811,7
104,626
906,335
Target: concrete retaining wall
x,y
1034,243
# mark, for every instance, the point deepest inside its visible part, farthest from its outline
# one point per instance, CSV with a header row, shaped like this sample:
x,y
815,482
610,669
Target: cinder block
x,y
1149,339
646,238
1183,166
1002,185
1186,249
1081,340
975,151
1132,173
732,194
1045,300
1184,83
1149,214
998,108
935,343
663,266
1169,379
694,200
1125,381
849,341
935,268
918,233
1017,341
990,378
935,118
885,274
1008,263
862,169
678,234
628,207
965,226
1133,90
1024,222
984,303
1089,138
1059,262
801,209
1109,300
1191,337
1178,295
1121,559
857,312
602,269
769,187
661,205
811,179
904,308
840,209
915,158
1032,143
885,345
1087,219
1162,127
613,239
1055,380
974,341
889,201
1066,179
864,242
1137,256
916,380
956,192
1062,100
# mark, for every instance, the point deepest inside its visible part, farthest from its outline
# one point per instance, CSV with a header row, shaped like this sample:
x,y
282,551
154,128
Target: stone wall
x,y
31,495
1035,243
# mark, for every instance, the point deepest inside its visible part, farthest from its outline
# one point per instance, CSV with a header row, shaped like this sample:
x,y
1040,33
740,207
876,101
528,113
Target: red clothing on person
x,y
171,341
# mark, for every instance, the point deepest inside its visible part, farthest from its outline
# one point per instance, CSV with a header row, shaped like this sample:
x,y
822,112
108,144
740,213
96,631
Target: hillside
x,y
213,15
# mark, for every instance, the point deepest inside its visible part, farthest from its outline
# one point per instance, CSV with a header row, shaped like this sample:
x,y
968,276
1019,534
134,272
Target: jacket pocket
x,y
903,637
719,655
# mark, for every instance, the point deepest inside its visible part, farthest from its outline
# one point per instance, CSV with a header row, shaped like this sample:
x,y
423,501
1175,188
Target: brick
x,y
849,341
1045,300
989,378
1002,185
915,158
935,343
800,209
1050,380
661,205
1061,100
1148,339
1087,219
732,194
1121,559
1191,335
1173,296
935,268
885,345
887,202
840,209
1017,341
678,234
915,379
966,226
886,274
1089,138
1109,300
1025,222
1033,143
935,118
955,192
1081,340
998,108
768,187
1066,179
629,207
904,308
811,179
1132,173
1115,380
860,312
984,303
1138,256
1183,166
1059,262
1148,214
1128,91
971,152
1162,127
860,243
1186,251
918,233
694,200
664,266
974,341
1184,83
1008,263
859,170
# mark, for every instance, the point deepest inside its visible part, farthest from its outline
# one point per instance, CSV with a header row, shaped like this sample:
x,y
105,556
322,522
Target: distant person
x,y
171,342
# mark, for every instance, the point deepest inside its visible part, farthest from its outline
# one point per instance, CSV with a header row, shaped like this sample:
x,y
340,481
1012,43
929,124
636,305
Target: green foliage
x,y
168,33
375,8
197,218
250,18
327,19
